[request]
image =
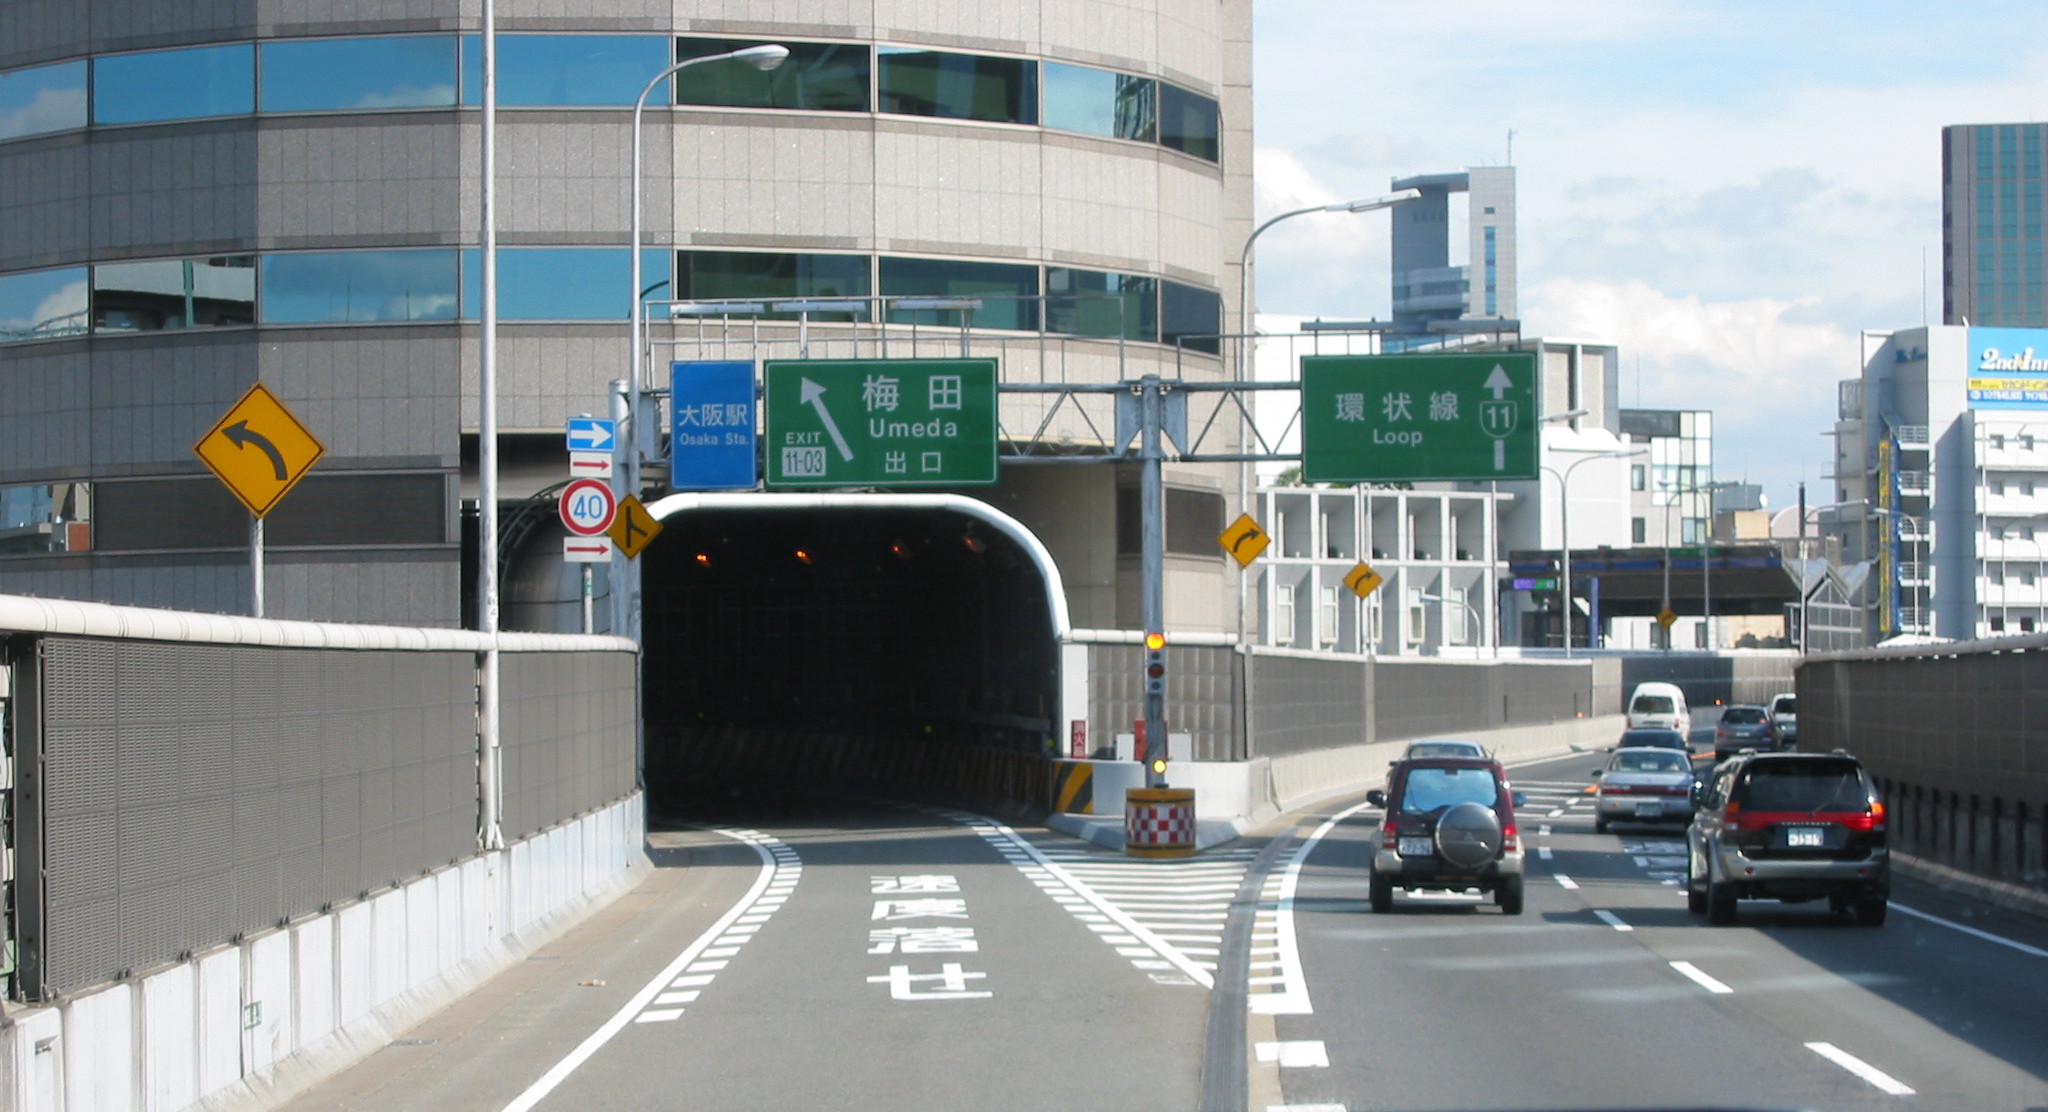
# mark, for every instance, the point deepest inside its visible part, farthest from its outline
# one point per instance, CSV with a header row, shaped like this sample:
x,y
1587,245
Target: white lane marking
x,y
1611,919
1973,932
1692,973
1299,1054
1291,997
997,835
1543,852
636,1008
1306,1108
1565,882
1555,813
1877,1077
1543,831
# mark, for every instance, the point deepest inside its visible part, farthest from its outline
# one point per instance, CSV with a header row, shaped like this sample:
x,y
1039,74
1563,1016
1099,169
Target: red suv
x,y
1449,826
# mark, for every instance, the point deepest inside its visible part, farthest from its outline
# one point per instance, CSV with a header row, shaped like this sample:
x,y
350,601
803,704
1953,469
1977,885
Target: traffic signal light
x,y
1155,664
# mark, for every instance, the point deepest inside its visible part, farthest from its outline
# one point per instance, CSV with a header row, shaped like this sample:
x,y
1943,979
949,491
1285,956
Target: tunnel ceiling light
x,y
704,559
902,551
974,544
803,556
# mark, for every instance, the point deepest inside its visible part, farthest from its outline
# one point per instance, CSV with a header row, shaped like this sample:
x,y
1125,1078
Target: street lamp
x,y
1244,343
1478,634
764,57
1564,525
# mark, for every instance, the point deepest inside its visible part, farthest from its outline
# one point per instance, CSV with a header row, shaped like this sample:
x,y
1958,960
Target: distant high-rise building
x,y
1427,287
1991,246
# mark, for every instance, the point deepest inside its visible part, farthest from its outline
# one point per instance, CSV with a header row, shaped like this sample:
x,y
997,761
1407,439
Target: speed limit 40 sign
x,y
588,507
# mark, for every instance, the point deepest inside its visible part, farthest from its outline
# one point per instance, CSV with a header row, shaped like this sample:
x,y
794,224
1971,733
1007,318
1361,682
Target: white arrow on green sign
x,y
880,422
1399,418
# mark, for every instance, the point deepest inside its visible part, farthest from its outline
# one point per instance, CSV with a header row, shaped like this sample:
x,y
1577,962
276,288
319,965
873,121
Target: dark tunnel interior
x,y
857,645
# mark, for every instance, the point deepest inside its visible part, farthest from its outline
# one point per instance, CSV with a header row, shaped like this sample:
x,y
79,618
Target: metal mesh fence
x,y
197,792
1202,685
567,731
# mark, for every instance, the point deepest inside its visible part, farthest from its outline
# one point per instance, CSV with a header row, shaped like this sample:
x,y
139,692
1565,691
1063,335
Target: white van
x,y
1660,704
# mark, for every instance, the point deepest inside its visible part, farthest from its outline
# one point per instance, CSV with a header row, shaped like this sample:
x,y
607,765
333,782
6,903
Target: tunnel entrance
x,y
824,640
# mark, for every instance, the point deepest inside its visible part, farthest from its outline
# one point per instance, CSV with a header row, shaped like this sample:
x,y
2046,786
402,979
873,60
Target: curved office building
x,y
198,197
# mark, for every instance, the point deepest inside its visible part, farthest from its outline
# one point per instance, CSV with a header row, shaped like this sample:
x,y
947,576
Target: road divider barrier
x,y
1159,822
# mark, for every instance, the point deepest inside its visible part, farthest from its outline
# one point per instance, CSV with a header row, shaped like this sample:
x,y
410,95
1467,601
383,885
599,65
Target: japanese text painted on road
x,y
1370,418
932,902
881,422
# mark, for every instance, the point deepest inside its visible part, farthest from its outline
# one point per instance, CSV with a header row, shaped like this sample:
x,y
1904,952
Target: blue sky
x,y
1730,190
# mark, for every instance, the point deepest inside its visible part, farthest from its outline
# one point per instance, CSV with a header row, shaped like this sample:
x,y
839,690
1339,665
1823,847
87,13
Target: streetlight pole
x,y
1564,527
1478,631
1245,346
765,57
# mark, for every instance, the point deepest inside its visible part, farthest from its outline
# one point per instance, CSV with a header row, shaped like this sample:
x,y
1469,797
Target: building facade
x,y
1991,245
1942,481
194,199
1429,291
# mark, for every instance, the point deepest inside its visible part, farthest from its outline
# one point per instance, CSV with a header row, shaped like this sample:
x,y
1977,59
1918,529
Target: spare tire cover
x,y
1468,836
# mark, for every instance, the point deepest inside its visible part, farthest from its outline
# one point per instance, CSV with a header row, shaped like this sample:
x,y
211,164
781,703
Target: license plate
x,y
1811,836
1648,807
1417,847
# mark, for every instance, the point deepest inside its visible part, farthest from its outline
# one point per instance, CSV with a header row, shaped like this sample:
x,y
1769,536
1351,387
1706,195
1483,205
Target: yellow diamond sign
x,y
633,528
1363,580
1244,540
259,449
1666,616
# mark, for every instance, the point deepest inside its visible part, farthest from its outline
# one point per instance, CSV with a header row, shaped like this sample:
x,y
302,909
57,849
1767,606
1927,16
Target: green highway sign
x,y
880,422
1374,418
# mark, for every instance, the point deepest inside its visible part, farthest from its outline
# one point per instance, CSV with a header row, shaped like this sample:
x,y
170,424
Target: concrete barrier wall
x,y
1957,737
248,1024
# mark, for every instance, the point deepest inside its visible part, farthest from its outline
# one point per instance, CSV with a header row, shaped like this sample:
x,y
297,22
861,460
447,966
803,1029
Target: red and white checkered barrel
x,y
1159,822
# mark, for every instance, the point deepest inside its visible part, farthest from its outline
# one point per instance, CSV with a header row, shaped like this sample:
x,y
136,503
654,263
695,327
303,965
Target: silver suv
x,y
1791,827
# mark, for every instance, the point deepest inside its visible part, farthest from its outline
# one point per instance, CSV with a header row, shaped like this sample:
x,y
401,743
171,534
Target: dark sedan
x,y
1744,727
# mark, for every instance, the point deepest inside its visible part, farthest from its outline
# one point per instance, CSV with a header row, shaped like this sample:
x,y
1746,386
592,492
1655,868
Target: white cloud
x,y
1767,373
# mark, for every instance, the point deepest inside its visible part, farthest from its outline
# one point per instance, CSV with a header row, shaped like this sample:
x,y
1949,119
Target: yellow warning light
x,y
1155,641
1159,766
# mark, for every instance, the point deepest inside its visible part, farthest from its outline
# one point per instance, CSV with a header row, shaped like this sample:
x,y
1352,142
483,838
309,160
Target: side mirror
x,y
1376,797
1519,799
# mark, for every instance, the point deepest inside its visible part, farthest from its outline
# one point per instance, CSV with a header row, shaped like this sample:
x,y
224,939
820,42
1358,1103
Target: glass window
x,y
44,518
1635,476
216,292
1005,286
714,275
957,86
43,304
174,84
339,74
538,71
562,283
42,99
827,76
1091,303
1188,122
359,286
1190,317
1432,789
1100,102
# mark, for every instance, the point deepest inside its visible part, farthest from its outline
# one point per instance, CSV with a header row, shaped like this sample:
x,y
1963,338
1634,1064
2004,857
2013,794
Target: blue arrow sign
x,y
591,434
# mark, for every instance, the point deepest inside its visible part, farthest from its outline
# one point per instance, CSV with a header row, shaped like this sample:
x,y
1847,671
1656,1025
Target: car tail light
x,y
1869,822
1390,833
1507,838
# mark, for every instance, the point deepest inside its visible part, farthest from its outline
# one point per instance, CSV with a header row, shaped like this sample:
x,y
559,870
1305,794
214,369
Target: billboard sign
x,y
2008,368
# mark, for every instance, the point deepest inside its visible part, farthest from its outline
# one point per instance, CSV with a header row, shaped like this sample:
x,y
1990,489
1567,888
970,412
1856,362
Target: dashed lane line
x,y
662,998
1565,882
1611,919
1878,1079
1297,1054
1692,973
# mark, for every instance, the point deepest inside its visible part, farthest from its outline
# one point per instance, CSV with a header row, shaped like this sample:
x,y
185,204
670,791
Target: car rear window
x,y
1442,749
1652,760
1652,704
1667,739
1821,785
1431,788
1785,706
1743,716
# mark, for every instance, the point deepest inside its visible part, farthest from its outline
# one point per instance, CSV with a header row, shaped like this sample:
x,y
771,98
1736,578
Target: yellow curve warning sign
x,y
259,449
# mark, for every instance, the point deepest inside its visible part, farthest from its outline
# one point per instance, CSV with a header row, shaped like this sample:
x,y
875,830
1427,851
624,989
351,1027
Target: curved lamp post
x,y
765,57
1564,525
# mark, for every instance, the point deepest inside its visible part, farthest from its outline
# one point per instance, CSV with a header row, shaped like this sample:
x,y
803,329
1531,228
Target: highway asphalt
x,y
867,955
